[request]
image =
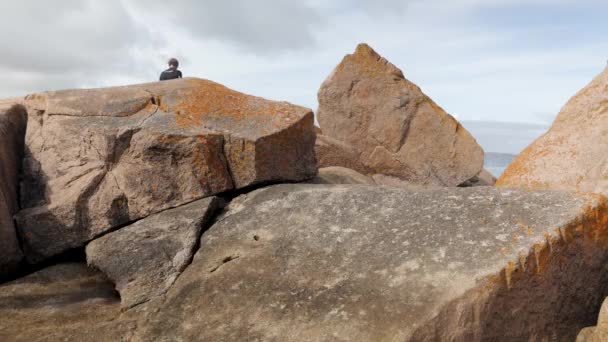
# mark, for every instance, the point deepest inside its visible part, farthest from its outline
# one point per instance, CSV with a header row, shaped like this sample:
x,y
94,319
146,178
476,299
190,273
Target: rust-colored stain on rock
x,y
204,98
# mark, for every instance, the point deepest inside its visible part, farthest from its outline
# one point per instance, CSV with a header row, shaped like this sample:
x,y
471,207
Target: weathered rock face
x,y
597,333
100,158
352,263
13,122
573,153
366,263
66,302
145,258
484,178
392,127
334,153
340,175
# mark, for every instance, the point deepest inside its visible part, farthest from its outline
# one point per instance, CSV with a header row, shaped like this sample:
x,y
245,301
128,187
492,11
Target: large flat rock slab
x,y
65,302
13,123
144,259
370,263
375,121
572,154
100,158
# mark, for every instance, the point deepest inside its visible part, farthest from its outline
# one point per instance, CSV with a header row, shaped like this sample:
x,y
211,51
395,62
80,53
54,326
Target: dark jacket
x,y
170,74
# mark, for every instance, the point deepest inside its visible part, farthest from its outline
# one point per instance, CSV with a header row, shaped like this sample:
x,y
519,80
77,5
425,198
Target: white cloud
x,y
263,26
284,49
65,43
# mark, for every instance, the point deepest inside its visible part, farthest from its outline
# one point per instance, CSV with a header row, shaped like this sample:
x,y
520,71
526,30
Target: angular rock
x,y
391,126
66,302
367,263
13,123
145,258
101,158
572,154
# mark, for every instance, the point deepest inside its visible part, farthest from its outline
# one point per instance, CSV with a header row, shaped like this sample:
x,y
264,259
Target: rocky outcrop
x,y
145,258
378,122
65,302
366,263
101,158
351,263
573,154
13,121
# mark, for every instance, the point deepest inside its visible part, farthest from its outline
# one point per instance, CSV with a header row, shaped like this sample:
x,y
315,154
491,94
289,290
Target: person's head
x,y
173,63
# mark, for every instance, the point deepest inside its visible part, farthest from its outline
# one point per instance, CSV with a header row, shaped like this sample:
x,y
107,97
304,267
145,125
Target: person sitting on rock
x,y
172,72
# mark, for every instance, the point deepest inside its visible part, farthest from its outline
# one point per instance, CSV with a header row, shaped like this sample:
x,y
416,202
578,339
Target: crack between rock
x,y
153,99
96,150
217,213
215,209
455,140
116,181
144,120
90,190
227,140
118,227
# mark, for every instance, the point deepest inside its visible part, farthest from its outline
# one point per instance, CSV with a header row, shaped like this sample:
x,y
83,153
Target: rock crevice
x,y
13,122
145,259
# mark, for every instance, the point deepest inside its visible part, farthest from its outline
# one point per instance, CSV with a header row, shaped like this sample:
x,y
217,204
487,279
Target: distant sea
x,y
509,138
496,163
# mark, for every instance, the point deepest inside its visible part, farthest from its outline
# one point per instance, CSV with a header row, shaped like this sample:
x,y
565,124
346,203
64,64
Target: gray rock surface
x,y
145,258
13,123
352,263
368,263
66,302
100,158
378,122
395,182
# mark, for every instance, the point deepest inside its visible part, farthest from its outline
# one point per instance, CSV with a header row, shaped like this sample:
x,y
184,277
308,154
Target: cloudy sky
x,y
515,61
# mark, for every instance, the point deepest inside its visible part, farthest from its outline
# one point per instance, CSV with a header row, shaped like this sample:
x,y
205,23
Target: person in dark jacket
x,y
172,72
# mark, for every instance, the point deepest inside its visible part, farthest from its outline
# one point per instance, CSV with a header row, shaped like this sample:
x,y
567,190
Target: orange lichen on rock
x,y
205,98
571,155
589,231
367,61
390,127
